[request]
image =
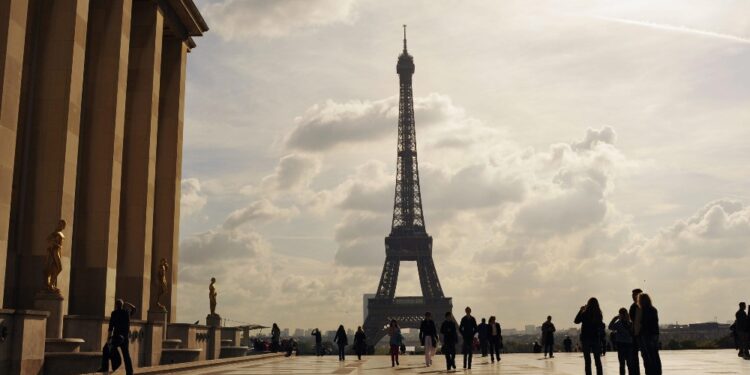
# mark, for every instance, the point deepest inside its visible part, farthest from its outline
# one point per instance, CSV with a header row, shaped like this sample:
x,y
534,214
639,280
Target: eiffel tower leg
x,y
428,278
389,278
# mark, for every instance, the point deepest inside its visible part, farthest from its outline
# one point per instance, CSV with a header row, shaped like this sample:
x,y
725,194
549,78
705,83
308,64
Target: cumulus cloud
x,y
258,211
220,245
236,19
720,229
325,126
294,172
192,198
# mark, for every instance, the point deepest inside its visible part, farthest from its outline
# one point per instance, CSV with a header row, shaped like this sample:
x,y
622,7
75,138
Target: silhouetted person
x,y
634,313
495,338
548,337
449,330
648,335
395,341
741,325
535,347
568,344
590,319
318,342
275,337
341,341
482,334
468,329
428,337
360,342
622,329
119,329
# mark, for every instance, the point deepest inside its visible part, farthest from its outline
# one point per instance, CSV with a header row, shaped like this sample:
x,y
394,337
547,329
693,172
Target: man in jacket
x,y
118,335
741,326
483,336
634,313
548,337
468,329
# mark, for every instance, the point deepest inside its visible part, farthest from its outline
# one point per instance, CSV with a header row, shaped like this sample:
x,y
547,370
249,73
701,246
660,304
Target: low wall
x,y
193,336
22,334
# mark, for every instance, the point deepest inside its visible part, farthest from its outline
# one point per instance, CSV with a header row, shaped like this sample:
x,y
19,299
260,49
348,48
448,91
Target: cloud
x,y
293,172
218,245
238,19
674,28
192,198
719,230
258,212
325,126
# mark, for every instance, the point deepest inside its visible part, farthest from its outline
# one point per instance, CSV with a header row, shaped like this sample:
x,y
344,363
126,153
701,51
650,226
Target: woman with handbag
x,y
428,337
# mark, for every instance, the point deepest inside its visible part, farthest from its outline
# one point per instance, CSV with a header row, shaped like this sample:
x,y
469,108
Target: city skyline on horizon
x,y
534,159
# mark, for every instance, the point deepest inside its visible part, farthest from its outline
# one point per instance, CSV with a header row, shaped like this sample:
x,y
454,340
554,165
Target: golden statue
x,y
212,296
54,253
163,286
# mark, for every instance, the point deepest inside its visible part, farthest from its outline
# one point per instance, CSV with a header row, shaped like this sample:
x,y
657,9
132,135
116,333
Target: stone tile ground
x,y
674,362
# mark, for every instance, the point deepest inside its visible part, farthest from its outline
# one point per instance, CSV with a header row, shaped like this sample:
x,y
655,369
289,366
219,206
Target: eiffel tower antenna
x,y
408,240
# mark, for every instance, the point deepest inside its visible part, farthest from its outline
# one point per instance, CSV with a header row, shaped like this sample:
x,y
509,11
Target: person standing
x,y
741,329
622,328
590,318
341,341
649,335
568,344
495,339
396,339
428,337
468,329
318,342
119,329
482,333
548,337
635,313
360,342
449,329
275,337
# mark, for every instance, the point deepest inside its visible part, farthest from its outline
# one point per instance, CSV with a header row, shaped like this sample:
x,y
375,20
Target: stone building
x,y
91,120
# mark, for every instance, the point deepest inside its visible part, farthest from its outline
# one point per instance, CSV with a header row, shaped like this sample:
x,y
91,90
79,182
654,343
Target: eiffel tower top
x,y
407,205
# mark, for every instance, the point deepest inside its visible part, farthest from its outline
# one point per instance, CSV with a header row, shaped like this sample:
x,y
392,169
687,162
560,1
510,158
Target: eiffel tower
x,y
408,240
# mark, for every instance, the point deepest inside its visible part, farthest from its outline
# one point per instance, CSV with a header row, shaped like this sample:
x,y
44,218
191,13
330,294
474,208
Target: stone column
x,y
139,156
52,120
12,41
169,167
94,258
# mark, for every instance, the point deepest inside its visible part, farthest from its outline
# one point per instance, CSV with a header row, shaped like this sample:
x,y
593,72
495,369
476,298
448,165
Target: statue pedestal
x,y
213,320
53,303
159,317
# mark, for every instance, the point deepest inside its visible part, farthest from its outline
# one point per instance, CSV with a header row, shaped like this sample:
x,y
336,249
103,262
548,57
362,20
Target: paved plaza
x,y
674,362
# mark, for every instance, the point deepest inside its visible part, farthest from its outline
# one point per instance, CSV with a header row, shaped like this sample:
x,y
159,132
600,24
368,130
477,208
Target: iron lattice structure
x,y
408,240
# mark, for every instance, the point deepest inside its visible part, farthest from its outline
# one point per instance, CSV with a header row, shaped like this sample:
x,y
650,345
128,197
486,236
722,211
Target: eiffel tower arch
x,y
408,240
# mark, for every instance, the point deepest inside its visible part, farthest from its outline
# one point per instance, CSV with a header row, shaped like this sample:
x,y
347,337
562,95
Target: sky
x,y
567,150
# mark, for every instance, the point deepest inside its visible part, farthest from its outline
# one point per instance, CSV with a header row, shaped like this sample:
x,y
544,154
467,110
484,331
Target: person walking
x,y
482,334
634,313
275,337
622,328
590,318
468,329
396,340
494,338
341,341
360,342
428,337
648,335
318,342
548,337
449,329
117,337
741,328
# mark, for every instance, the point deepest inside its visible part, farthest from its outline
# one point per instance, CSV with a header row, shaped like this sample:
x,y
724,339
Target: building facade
x,y
91,119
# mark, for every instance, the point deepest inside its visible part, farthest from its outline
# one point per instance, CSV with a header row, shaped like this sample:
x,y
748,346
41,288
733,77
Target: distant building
x,y
529,329
285,332
365,297
299,332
